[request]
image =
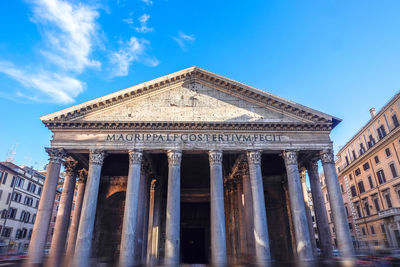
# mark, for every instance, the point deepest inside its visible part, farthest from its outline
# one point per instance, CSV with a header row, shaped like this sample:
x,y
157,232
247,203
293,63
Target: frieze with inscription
x,y
194,137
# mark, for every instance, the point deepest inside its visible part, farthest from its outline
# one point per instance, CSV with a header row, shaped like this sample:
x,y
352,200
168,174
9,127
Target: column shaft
x,y
172,228
321,216
218,234
43,217
263,255
299,217
129,230
88,215
57,248
73,229
342,231
308,212
248,216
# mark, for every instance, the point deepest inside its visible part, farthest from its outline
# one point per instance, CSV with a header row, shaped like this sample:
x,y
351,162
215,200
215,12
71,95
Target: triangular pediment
x,y
191,95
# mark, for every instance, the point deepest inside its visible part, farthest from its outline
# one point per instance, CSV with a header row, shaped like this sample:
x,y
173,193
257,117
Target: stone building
x,y
20,191
368,171
191,167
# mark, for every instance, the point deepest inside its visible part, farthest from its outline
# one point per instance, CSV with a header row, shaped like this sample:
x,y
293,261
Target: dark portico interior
x,y
195,246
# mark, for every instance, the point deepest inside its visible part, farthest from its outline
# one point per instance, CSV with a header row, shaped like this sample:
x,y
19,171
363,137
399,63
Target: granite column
x,y
263,254
172,229
218,234
88,215
324,233
342,230
299,217
57,248
43,217
129,230
73,229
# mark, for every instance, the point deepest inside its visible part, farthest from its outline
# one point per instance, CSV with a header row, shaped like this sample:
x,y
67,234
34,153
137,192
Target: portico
x,y
191,161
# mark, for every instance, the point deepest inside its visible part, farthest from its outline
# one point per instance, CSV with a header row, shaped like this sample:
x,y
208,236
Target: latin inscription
x,y
192,137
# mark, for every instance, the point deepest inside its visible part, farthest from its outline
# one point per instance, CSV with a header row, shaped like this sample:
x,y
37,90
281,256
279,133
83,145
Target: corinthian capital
x,y
70,165
290,157
215,157
254,157
174,157
96,156
135,157
327,156
56,154
82,175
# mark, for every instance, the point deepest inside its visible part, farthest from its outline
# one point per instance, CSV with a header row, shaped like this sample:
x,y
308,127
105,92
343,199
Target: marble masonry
x,y
191,167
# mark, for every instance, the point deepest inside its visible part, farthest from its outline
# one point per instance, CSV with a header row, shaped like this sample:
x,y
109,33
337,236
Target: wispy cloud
x,y
44,86
70,31
148,2
143,24
129,52
183,39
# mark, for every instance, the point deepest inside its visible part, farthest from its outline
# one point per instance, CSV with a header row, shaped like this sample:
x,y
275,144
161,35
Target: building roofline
x,y
370,121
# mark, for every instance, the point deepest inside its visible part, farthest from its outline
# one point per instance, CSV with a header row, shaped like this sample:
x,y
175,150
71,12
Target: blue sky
x,y
339,57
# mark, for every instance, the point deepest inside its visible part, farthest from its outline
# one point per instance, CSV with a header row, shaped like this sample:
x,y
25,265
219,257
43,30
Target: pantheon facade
x,y
189,168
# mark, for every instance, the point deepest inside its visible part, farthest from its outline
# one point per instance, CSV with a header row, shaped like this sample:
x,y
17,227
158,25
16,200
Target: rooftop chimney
x,y
372,111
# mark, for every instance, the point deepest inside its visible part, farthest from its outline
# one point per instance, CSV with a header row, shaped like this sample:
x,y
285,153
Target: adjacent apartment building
x,y
20,191
368,169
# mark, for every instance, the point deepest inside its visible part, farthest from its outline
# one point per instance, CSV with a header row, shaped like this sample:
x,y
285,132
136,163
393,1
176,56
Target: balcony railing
x,y
389,212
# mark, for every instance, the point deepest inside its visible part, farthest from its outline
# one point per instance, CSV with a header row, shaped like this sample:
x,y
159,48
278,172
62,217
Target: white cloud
x,y
45,86
70,31
148,2
143,24
128,21
183,39
130,51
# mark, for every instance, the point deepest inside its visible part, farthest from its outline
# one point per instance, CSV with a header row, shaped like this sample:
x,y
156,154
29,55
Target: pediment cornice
x,y
193,74
188,126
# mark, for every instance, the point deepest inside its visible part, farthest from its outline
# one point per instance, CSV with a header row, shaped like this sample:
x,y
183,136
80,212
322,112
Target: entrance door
x,y
193,245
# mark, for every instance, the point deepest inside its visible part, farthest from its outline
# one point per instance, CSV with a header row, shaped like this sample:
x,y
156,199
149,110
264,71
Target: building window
x,y
358,210
387,152
5,177
381,132
19,182
381,177
351,176
383,228
347,211
371,141
363,231
16,197
6,232
358,172
362,149
4,214
371,184
393,170
354,155
12,212
388,199
30,234
12,181
366,166
376,203
353,191
376,158
361,187
372,229
39,191
341,188
395,121
366,207
351,226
